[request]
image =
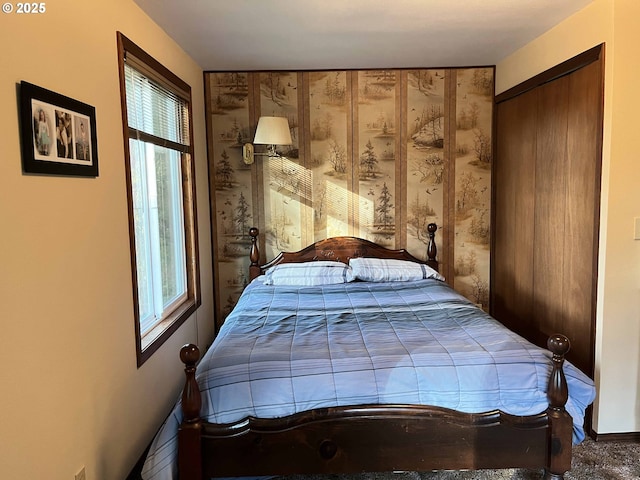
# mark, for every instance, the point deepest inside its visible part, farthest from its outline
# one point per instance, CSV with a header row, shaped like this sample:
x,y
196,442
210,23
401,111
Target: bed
x,y
348,357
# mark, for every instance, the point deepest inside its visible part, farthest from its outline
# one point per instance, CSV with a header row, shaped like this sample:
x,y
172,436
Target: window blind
x,y
154,113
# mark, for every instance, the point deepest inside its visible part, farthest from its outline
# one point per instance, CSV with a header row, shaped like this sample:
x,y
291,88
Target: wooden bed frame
x,y
372,438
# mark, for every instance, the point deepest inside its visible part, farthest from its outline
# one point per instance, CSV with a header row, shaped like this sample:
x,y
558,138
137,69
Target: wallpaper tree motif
x,y
378,154
231,183
473,154
425,164
284,183
329,157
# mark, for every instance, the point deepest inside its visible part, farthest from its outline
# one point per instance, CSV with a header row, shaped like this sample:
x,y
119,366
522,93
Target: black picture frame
x,y
58,133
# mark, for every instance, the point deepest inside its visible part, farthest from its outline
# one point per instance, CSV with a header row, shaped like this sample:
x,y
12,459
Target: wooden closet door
x,y
546,206
582,212
550,206
514,194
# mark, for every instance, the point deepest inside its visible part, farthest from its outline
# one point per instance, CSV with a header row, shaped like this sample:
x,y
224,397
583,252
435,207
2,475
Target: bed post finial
x,y
191,401
189,433
560,422
558,391
432,250
254,254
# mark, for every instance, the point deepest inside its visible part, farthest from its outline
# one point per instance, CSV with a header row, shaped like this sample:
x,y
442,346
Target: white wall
x,y
71,393
617,408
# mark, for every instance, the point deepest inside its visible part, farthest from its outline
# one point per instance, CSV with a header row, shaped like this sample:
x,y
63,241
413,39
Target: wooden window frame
x,y
149,343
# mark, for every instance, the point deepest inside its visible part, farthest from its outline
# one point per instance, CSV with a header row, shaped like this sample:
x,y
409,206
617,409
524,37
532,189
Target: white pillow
x,y
323,272
390,270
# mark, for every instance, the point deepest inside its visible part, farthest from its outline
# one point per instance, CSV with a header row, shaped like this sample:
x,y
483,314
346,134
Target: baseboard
x,y
616,437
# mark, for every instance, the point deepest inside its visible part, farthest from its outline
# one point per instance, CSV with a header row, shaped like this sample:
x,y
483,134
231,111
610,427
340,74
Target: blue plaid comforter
x,y
286,349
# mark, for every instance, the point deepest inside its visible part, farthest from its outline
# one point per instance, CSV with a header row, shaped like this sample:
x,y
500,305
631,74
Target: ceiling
x,y
242,35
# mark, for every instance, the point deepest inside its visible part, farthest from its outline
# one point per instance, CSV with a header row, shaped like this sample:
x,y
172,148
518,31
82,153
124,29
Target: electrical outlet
x,y
636,233
81,475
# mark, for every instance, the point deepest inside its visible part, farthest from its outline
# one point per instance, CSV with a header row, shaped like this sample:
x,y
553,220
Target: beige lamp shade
x,y
273,131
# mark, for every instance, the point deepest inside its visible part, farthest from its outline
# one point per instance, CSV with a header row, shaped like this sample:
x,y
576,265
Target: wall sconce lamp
x,y
271,131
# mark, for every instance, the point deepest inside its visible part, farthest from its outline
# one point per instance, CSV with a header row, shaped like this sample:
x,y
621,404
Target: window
x,y
161,196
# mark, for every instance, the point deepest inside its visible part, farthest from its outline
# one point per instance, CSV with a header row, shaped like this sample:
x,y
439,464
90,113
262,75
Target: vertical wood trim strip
x,y
596,212
304,146
257,169
400,216
352,173
449,199
212,200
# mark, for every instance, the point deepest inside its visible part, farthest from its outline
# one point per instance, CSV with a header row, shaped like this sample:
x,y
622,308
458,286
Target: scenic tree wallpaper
x,y
377,154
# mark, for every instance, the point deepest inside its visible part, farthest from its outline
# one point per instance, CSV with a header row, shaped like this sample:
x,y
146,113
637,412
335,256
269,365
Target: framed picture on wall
x,y
58,133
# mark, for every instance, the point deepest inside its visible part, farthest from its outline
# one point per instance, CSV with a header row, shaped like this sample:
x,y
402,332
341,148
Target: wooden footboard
x,y
372,438
376,437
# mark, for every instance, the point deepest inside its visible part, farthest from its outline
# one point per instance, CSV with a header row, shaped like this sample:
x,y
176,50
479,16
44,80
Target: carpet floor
x,y
591,461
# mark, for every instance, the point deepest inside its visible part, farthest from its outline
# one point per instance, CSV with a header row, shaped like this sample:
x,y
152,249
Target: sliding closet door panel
x,y
546,205
503,273
551,203
524,234
581,214
514,210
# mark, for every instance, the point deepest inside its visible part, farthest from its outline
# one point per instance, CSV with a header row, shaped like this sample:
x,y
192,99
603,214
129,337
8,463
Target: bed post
x,y
189,448
432,250
560,422
254,254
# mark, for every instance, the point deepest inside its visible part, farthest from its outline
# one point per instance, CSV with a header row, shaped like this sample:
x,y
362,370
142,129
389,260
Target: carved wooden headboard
x,y
339,249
